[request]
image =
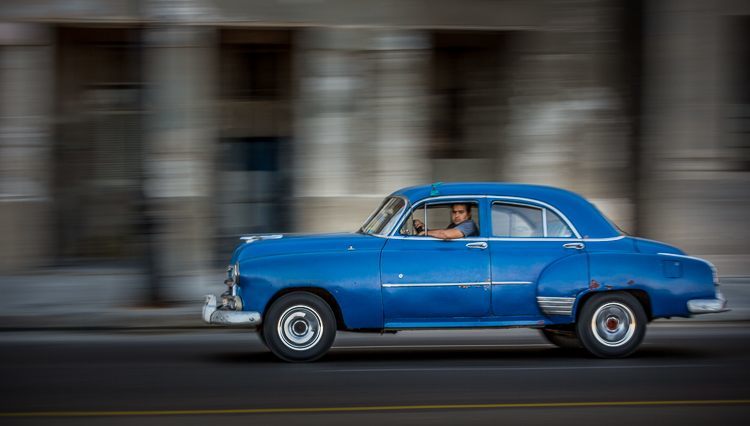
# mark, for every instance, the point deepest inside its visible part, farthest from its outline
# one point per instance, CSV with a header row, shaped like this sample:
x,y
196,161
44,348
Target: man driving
x,y
461,224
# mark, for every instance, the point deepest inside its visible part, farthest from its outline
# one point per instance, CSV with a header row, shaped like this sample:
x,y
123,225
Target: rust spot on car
x,y
594,285
631,282
608,287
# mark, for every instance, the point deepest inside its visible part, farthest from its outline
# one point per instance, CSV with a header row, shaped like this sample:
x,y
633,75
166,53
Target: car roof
x,y
587,219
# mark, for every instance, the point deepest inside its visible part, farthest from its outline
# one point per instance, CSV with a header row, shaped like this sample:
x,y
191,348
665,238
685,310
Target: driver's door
x,y
427,281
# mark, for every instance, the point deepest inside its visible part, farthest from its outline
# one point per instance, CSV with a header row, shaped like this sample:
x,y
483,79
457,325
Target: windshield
x,y
383,218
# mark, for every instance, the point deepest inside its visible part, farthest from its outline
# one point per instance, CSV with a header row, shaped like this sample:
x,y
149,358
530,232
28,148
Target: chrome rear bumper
x,y
212,315
708,306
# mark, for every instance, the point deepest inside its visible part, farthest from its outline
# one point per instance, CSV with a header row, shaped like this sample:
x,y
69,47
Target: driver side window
x,y
438,216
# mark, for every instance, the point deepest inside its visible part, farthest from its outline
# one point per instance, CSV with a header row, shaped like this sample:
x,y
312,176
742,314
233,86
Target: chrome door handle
x,y
480,245
577,246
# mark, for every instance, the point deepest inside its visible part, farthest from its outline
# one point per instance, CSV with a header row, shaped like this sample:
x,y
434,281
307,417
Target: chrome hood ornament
x,y
252,238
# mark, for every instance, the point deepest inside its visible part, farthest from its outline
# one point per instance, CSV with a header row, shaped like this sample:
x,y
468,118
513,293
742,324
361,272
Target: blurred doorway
x,y
469,103
738,116
99,143
255,133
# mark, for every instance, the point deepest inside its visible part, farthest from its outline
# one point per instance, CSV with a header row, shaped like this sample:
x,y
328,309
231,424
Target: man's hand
x,y
418,226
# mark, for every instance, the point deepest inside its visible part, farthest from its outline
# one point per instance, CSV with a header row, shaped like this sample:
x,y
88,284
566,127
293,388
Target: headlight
x,y
233,275
236,273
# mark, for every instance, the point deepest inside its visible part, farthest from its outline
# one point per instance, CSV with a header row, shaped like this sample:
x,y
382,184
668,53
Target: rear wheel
x,y
562,338
611,325
299,327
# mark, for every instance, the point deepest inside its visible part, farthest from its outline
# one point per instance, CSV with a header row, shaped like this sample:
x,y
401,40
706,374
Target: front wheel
x,y
261,337
299,327
611,325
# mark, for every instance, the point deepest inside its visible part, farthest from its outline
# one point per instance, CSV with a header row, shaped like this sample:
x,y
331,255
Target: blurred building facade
x,y
163,129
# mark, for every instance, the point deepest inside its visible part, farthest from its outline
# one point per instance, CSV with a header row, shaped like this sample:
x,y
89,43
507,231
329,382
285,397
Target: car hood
x,y
284,244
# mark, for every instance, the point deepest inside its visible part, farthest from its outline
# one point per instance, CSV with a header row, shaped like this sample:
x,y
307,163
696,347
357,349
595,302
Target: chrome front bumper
x,y
212,315
708,306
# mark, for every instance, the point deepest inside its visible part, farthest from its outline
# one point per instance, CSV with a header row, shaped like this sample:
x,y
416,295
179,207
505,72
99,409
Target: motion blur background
x,y
140,138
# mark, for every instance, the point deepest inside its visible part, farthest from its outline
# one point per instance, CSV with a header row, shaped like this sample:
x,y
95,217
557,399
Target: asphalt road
x,y
683,374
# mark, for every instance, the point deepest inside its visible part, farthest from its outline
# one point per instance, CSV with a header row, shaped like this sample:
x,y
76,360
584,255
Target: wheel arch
x,y
640,295
320,292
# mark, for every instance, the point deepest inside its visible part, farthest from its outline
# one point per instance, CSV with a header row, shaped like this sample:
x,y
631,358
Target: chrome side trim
x,y
425,238
556,305
688,257
619,237
436,284
538,239
511,282
542,239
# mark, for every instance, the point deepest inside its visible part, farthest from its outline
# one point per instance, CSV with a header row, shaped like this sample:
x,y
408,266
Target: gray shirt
x,y
467,227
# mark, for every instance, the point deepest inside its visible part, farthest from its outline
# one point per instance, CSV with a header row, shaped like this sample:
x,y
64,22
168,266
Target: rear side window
x,y
512,220
556,228
523,221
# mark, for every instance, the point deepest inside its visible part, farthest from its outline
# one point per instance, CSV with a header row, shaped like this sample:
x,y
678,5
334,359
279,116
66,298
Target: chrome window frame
x,y
529,202
544,208
492,198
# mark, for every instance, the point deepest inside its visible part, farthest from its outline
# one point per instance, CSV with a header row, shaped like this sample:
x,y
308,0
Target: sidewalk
x,y
92,298
111,298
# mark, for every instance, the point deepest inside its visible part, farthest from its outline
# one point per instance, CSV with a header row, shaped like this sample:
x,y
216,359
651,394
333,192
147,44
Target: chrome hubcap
x,y
300,328
613,324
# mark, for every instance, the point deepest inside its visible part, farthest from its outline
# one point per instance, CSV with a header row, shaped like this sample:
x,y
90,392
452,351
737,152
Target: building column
x,y
568,121
400,100
695,189
179,157
360,123
26,85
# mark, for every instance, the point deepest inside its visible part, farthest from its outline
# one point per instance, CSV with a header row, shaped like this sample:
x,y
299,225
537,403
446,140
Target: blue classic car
x,y
464,255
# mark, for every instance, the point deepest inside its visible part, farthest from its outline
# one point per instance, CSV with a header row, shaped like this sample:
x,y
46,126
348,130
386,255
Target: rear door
x,y
525,238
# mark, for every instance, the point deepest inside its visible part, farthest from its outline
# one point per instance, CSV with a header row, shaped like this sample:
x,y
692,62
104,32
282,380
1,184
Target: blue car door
x,y
525,239
428,281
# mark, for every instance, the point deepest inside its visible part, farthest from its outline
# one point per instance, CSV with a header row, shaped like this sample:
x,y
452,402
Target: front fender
x,y
351,277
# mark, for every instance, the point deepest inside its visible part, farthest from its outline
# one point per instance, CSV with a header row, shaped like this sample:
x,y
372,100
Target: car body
x,y
543,257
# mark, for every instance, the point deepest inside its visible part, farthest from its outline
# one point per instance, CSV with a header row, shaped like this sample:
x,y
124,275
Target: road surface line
x,y
375,408
577,367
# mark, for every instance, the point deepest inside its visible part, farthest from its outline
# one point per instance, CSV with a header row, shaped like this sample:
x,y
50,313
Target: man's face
x,y
459,213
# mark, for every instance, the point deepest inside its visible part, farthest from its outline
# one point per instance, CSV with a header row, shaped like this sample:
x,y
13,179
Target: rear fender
x,y
668,280
559,286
